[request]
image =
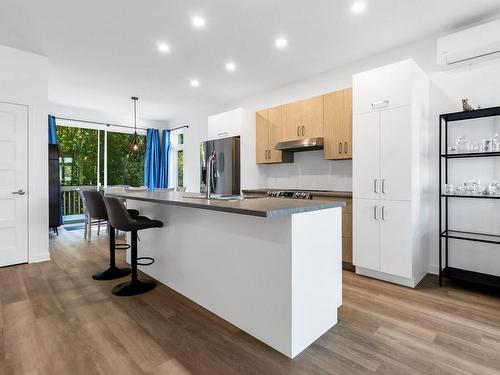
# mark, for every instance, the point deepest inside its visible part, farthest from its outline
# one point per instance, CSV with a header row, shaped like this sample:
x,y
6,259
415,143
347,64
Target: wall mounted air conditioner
x,y
468,45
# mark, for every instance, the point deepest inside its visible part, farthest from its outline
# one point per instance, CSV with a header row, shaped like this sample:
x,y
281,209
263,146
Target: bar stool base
x,y
132,288
112,273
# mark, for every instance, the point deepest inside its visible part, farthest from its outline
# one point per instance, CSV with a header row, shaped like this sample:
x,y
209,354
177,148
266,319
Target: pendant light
x,y
135,143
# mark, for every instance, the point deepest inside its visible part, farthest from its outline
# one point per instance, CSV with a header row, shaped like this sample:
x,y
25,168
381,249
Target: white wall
x,y
113,118
23,80
479,82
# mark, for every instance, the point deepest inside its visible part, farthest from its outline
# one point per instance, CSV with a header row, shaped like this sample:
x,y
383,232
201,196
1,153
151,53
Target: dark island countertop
x,y
253,206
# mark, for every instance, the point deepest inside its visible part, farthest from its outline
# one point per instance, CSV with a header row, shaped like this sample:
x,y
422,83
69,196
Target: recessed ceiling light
x,y
198,22
358,7
281,43
230,66
163,47
194,83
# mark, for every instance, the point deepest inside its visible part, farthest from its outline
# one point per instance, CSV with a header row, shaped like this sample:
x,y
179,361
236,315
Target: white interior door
x,y
366,233
395,153
13,184
366,155
395,238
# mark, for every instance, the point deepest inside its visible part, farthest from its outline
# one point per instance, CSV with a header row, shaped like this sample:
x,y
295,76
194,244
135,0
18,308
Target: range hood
x,y
308,144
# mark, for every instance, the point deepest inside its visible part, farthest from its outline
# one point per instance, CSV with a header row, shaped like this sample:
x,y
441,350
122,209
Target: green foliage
x,y
78,152
180,168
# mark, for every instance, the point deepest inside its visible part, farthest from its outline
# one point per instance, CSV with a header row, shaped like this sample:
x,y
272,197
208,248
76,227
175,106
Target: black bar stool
x,y
97,209
122,220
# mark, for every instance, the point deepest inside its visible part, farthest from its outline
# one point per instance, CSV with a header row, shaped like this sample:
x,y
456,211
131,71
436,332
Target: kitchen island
x,y
271,267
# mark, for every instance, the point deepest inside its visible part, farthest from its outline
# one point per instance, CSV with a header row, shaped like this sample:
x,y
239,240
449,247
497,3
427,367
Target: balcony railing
x,y
71,201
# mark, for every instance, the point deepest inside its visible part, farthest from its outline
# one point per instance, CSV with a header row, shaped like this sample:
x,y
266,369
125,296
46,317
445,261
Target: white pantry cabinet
x,y
229,124
389,172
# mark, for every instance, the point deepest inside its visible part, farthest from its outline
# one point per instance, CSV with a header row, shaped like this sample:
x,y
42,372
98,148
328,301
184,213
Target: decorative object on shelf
x,y
473,188
464,145
466,106
135,144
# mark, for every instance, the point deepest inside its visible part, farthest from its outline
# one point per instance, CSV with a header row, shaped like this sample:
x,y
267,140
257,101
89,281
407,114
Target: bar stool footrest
x,y
112,273
149,259
122,246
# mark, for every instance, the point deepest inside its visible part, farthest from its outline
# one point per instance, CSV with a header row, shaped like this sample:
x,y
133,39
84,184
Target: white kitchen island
x,y
271,267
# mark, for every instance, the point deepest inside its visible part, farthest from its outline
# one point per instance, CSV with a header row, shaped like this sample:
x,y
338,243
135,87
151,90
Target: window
x,y
90,158
176,157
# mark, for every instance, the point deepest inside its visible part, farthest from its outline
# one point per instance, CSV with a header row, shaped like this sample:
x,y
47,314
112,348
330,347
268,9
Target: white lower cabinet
x,y
382,236
366,233
395,238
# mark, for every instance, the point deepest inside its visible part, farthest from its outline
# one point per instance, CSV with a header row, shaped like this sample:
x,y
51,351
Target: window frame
x,y
173,157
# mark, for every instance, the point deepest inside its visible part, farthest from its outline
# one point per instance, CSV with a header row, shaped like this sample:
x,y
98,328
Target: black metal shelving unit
x,y
445,234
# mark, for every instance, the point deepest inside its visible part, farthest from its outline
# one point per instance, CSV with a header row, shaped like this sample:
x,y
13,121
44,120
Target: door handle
x,y
383,185
265,154
381,104
303,132
269,154
345,148
375,183
383,213
19,192
375,213
298,131
340,147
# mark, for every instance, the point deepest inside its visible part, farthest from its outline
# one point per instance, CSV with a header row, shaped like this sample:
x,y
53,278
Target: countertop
x,y
260,206
316,193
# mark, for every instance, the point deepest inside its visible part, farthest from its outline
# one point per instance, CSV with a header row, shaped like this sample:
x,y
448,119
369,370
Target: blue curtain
x,y
152,159
52,130
164,152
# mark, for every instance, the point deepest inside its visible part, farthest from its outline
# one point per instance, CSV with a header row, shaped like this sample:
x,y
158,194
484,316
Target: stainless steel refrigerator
x,y
226,166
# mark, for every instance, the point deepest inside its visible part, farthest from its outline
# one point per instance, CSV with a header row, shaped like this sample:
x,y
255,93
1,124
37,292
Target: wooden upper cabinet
x,y
275,130
262,136
291,121
338,125
311,122
268,133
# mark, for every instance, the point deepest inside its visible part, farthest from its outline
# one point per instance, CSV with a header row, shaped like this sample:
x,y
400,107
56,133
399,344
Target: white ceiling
x,y
103,52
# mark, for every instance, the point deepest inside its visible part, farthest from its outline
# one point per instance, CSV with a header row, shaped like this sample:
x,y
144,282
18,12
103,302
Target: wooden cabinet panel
x,y
262,136
311,117
338,125
275,130
291,121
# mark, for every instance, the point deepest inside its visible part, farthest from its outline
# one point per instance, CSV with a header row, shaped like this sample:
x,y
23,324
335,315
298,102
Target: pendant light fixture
x,y
135,143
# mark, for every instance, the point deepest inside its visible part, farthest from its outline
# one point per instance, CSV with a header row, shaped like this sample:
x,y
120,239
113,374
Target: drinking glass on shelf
x,y
449,189
486,145
473,146
462,143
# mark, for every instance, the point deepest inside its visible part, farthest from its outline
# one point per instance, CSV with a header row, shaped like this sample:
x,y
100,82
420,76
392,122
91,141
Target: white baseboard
x,y
433,269
37,258
411,283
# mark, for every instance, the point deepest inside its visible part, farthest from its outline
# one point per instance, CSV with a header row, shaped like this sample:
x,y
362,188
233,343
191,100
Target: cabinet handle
x,y
383,213
381,104
340,147
298,131
375,183
345,148
375,213
303,132
265,154
383,185
269,154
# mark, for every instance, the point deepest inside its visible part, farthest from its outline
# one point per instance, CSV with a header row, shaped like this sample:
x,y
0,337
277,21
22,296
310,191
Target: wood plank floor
x,y
54,319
